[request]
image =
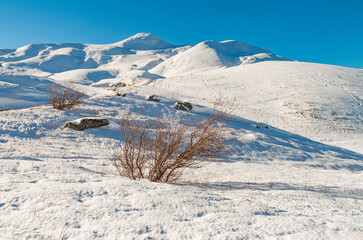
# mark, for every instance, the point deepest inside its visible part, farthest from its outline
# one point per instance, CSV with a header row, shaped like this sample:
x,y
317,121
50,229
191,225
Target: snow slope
x,y
294,172
211,54
322,102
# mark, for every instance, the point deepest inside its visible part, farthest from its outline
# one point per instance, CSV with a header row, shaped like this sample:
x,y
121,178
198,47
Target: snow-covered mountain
x,y
149,49
294,172
211,54
288,94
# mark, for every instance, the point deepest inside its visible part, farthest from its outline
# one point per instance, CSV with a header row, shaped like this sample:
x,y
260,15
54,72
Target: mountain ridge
x,y
227,52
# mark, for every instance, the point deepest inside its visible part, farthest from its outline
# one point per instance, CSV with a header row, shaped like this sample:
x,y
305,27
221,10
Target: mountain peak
x,y
145,41
234,48
211,54
145,35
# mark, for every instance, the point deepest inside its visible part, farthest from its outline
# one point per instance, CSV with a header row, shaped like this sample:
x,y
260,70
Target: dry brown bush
x,y
63,98
132,159
159,150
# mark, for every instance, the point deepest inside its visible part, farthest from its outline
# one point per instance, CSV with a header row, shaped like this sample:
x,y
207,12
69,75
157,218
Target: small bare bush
x,y
159,150
63,98
132,159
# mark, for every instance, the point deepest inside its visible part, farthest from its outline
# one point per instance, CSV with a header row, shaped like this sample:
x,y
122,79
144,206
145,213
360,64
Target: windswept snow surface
x,y
294,172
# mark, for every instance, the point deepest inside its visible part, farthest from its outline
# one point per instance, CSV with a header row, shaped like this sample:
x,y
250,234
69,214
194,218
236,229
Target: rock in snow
x,y
152,98
185,106
86,123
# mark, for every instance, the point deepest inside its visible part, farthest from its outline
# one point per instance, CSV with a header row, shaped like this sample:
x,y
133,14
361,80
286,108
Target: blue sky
x,y
314,31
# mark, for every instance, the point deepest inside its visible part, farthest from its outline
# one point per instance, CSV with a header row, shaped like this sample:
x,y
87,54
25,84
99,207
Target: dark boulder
x,y
152,98
86,123
185,106
120,94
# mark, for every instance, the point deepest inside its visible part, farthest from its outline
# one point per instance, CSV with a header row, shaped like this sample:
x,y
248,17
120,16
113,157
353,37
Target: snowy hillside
x,y
294,172
289,95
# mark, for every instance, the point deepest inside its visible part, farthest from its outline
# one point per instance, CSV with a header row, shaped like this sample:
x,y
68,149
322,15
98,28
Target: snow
x,y
144,41
295,176
211,54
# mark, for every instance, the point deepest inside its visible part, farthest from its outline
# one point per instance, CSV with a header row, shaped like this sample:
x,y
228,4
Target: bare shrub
x,y
132,159
63,98
159,150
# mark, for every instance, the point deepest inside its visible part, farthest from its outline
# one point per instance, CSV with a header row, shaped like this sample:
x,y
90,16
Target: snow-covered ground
x,y
297,176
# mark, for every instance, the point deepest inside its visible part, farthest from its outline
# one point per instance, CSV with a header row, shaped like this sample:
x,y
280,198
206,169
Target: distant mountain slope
x,y
161,58
211,54
144,41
